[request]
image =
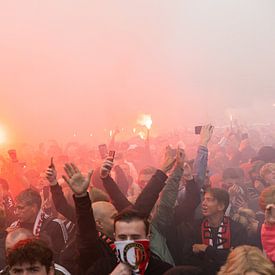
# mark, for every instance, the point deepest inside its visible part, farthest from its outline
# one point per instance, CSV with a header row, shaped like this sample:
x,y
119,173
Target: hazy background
x,y
79,67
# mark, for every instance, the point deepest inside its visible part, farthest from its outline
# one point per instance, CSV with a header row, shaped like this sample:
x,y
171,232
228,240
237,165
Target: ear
x,y
221,207
51,271
99,224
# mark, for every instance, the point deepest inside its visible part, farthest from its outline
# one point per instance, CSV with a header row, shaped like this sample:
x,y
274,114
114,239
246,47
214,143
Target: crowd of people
x,y
174,204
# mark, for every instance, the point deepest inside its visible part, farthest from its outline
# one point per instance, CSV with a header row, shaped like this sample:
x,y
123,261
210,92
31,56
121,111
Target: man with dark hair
x,y
30,256
31,216
128,216
216,233
98,257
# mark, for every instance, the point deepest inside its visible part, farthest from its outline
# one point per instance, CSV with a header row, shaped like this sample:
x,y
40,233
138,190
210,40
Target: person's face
x,y
26,212
133,230
270,176
143,180
30,269
210,205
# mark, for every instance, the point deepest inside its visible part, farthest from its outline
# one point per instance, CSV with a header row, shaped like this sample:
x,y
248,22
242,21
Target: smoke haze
x,y
78,67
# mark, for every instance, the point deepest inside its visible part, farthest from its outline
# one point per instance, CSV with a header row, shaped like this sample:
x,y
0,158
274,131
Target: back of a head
x,y
266,154
245,259
17,235
101,208
30,251
184,270
97,195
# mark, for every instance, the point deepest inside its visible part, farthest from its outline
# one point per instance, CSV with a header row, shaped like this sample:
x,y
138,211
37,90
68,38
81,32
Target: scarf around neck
x,y
223,238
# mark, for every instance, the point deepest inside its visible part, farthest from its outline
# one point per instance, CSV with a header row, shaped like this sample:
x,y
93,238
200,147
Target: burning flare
x,y
145,120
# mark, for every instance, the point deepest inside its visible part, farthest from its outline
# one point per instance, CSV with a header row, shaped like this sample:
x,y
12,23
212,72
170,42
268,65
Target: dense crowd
x,y
178,203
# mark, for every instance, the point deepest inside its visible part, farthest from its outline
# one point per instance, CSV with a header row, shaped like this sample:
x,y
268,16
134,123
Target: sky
x,y
80,68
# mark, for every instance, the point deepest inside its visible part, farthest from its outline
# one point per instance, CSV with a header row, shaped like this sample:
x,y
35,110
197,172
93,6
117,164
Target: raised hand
x,y
169,160
180,157
206,134
51,174
76,181
106,167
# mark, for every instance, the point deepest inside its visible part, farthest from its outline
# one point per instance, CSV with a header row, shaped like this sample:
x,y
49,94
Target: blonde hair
x,y
244,216
266,169
267,197
245,259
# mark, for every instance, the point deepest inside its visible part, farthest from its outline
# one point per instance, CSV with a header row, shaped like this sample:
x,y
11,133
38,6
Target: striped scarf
x,y
223,234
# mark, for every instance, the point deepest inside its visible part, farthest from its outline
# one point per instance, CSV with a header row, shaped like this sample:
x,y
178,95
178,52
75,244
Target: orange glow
x,y
142,135
145,120
3,136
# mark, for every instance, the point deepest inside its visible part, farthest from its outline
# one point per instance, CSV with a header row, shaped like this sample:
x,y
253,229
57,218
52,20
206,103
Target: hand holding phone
x,y
51,173
112,154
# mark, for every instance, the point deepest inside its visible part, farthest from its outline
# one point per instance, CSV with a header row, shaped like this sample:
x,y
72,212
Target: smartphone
x,y
51,164
112,154
103,151
198,130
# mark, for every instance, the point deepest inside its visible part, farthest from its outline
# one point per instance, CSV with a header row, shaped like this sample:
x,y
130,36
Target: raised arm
x,y
87,235
185,210
164,214
118,199
149,195
59,200
200,164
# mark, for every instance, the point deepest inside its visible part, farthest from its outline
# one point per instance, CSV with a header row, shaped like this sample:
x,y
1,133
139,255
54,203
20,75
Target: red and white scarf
x,y
223,235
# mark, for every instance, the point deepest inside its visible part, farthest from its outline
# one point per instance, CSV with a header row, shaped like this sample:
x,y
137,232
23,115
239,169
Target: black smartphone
x,y
198,130
51,164
103,151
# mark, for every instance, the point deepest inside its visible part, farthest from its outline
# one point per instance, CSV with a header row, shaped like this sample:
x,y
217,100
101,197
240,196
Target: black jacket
x,y
212,259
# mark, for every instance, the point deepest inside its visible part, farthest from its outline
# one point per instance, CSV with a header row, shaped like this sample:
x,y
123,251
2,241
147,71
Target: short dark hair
x,y
30,251
221,195
131,214
232,173
29,196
